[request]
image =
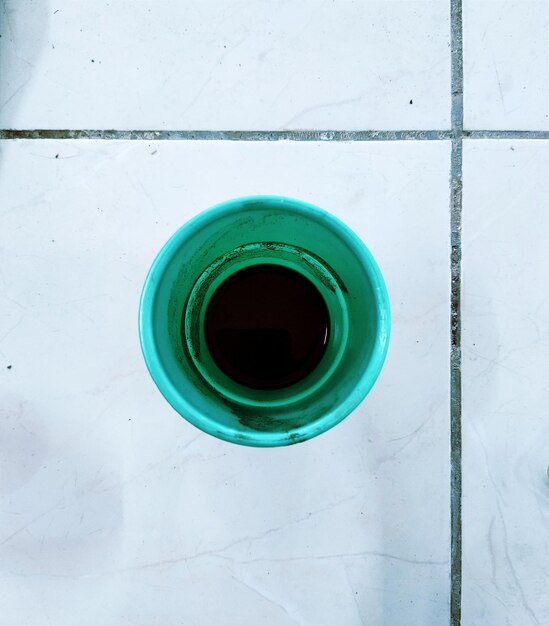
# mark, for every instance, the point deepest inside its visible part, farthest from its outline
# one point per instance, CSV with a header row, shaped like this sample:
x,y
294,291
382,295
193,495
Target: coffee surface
x,y
267,327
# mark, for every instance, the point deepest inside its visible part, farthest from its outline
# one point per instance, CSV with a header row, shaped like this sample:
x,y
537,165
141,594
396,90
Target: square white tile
x,y
210,65
506,65
505,391
116,510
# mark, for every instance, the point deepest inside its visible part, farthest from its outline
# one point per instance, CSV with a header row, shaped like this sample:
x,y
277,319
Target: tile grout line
x,y
268,135
506,134
456,189
231,135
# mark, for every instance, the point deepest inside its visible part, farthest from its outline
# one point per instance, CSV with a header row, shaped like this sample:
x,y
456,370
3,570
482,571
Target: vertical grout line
x,y
455,384
456,184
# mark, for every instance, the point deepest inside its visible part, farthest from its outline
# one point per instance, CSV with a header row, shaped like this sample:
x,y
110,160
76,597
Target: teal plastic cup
x,y
226,239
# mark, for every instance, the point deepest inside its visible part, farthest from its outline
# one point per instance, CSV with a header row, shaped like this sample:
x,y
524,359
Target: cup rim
x,y
263,438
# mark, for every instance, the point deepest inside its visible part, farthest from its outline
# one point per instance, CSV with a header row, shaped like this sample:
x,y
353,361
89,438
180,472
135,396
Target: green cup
x,y
230,237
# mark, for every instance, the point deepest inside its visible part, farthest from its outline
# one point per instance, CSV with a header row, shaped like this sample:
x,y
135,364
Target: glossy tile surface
x,y
249,64
505,391
506,65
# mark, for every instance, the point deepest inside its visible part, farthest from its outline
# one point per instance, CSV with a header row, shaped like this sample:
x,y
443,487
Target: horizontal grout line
x,y
232,135
273,135
506,134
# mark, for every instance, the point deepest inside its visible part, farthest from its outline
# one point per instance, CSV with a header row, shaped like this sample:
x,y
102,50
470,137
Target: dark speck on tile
x,y
411,102
57,156
9,367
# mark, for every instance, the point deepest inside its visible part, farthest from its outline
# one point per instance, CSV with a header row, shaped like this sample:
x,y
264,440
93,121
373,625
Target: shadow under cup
x,y
236,235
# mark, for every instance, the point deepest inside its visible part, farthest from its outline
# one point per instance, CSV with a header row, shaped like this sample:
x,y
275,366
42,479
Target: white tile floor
x,y
505,394
225,65
506,64
113,510
107,491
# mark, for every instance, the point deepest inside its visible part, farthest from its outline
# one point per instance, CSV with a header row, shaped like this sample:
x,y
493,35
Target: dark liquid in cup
x,y
267,327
